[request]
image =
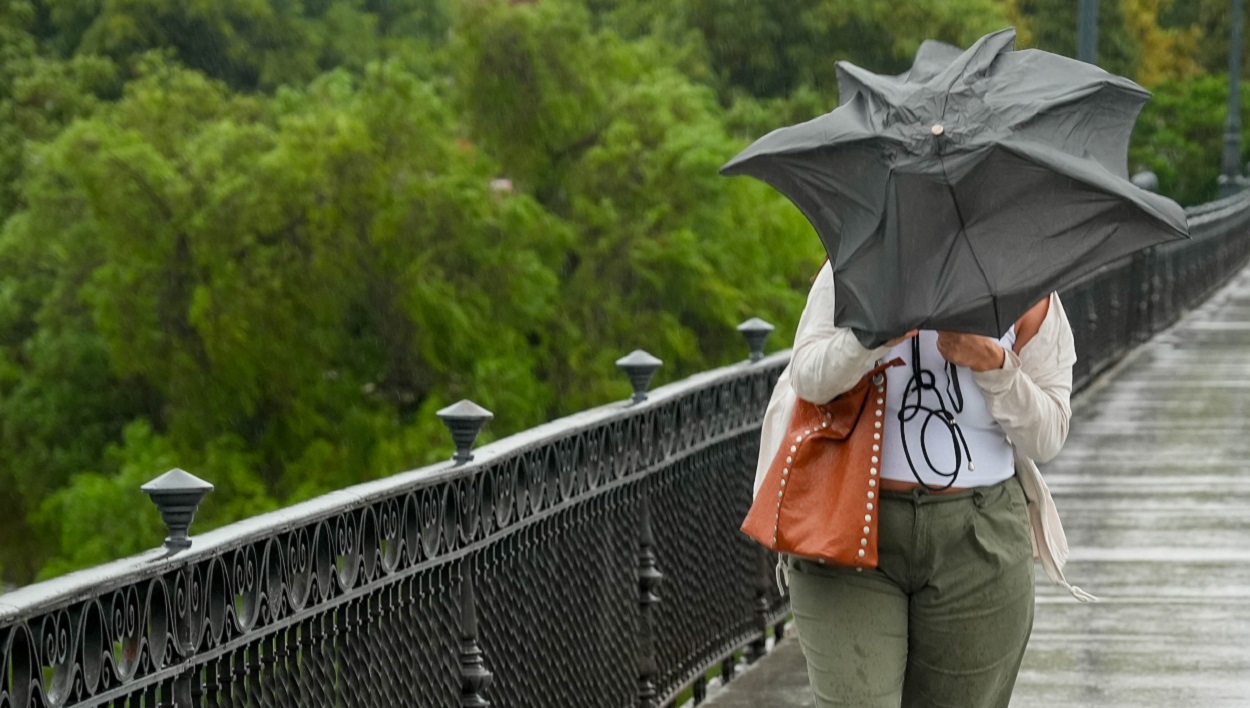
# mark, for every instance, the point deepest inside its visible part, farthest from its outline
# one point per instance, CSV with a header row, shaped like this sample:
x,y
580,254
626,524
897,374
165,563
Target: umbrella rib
x,y
963,231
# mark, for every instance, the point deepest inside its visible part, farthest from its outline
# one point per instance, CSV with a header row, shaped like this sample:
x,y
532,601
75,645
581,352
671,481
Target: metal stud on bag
x,y
880,377
877,381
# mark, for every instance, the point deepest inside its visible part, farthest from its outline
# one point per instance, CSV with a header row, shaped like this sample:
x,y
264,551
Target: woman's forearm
x,y
1034,413
828,360
825,366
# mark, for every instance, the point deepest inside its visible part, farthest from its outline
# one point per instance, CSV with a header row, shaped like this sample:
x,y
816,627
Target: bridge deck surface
x,y
1154,492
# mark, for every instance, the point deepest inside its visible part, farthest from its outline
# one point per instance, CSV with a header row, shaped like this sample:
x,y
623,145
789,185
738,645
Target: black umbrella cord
x,y
924,381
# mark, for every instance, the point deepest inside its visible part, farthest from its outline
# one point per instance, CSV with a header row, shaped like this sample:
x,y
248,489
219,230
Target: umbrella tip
x,y
937,129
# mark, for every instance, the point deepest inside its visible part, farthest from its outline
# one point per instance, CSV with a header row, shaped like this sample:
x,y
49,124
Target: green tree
x,y
1167,52
1180,137
249,44
298,283
429,21
672,274
772,49
264,240
1210,20
1052,24
533,86
17,50
38,95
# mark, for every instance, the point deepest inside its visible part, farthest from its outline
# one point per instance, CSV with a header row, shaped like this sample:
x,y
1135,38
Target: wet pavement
x,y
1154,490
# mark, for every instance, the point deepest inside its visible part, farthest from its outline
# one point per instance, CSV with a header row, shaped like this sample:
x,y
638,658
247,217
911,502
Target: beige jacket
x,y
1029,397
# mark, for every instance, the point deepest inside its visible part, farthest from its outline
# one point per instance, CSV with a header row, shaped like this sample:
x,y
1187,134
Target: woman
x,y
944,618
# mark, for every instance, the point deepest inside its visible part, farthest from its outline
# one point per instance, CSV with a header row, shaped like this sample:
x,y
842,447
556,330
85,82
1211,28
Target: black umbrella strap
x,y
952,388
913,405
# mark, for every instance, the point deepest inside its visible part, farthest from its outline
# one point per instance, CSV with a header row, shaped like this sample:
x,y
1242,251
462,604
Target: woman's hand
x,y
895,342
971,350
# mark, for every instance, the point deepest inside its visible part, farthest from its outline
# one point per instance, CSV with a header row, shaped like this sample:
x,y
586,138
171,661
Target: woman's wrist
x,y
994,358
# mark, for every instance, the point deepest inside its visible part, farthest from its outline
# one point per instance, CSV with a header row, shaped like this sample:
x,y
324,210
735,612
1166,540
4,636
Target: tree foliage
x,y
1167,52
1053,27
264,240
757,48
1180,136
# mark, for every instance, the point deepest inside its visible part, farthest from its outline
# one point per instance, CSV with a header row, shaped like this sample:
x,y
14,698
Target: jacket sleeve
x,y
827,360
1030,396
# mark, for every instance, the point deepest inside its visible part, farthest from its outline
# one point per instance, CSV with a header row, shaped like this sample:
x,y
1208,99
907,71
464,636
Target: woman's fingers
x,y
895,342
970,350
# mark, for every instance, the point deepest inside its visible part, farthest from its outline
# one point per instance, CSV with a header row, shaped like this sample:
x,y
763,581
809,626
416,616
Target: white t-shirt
x,y
946,428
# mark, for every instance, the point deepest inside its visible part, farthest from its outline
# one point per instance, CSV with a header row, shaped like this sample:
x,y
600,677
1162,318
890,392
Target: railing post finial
x,y
756,332
465,420
1146,180
177,495
639,366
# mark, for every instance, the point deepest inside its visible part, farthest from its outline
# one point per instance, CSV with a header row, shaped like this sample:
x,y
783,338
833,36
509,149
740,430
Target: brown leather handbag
x,y
819,498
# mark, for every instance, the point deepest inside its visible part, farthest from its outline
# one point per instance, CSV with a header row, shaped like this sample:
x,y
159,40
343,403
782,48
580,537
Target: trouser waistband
x,y
923,495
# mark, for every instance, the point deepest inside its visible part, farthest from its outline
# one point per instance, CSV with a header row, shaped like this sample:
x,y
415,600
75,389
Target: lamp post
x,y
1230,177
1087,32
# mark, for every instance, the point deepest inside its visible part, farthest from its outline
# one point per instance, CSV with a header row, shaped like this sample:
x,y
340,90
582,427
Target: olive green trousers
x,y
944,618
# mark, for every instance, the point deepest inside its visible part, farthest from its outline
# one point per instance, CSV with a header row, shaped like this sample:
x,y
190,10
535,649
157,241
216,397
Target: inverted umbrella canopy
x,y
958,194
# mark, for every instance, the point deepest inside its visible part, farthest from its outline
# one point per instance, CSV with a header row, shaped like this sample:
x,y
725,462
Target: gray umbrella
x,y
958,194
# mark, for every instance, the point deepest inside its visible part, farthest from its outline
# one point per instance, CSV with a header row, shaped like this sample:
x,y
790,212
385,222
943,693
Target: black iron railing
x,y
593,561
1125,303
588,562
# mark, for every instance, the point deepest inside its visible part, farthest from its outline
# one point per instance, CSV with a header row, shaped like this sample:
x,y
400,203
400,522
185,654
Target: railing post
x,y
184,684
1230,180
758,648
1141,323
649,579
1087,31
728,669
699,689
474,678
